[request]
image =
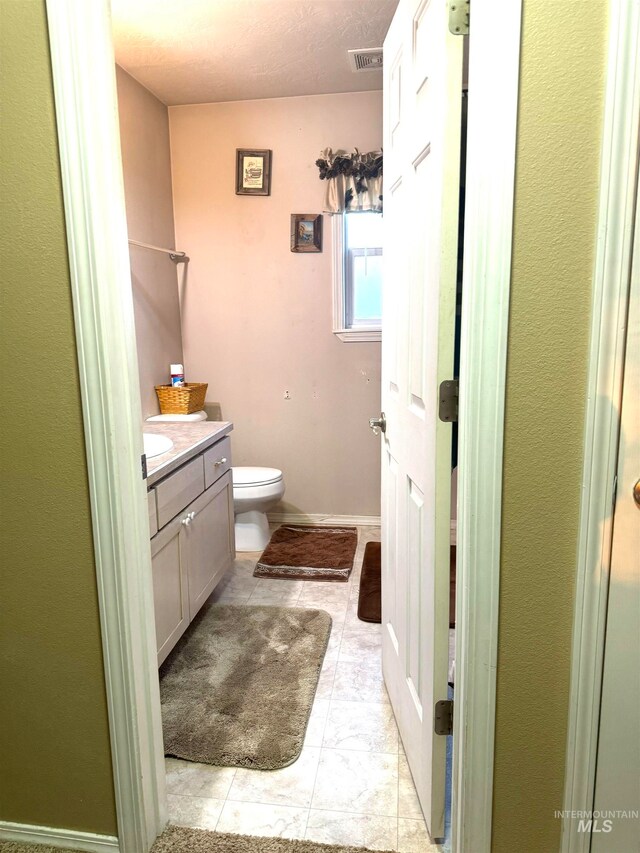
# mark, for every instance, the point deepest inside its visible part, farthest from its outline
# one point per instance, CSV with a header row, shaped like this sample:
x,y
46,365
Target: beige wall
x,y
146,164
558,150
257,317
54,741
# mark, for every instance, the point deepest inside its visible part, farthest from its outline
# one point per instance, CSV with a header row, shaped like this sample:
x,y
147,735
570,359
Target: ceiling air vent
x,y
366,59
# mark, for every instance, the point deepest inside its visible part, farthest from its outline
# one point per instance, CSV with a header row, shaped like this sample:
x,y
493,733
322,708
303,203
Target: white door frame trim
x,y
83,67
68,839
85,97
618,193
490,179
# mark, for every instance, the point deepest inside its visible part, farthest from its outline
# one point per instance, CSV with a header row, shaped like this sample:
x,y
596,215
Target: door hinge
x,y
443,717
143,465
448,400
459,17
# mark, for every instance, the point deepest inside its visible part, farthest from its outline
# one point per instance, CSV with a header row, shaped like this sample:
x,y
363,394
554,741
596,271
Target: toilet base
x,y
252,531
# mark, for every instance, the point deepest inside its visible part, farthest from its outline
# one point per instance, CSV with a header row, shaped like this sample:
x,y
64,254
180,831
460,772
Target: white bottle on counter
x,y
177,375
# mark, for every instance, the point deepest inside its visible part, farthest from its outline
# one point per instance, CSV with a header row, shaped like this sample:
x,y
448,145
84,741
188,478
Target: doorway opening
x,y
352,723
352,730
96,221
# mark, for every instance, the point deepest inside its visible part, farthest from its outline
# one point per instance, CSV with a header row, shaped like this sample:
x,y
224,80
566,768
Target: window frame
x,y
360,333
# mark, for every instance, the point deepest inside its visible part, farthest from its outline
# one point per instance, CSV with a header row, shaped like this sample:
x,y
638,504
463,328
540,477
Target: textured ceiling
x,y
199,51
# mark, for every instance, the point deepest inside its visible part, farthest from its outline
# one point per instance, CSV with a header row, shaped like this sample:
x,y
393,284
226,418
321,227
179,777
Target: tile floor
x,y
351,784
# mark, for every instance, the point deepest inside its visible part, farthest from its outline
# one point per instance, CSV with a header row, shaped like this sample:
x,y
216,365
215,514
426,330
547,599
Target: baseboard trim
x,y
323,520
71,839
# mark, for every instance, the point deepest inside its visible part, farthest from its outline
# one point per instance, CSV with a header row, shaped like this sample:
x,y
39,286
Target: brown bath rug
x,y
370,593
237,690
303,552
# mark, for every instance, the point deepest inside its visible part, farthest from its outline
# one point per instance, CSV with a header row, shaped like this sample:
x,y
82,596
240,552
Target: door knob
x,y
378,425
636,493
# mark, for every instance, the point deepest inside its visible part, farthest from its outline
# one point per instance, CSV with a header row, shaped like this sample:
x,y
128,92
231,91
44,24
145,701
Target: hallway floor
x,y
351,783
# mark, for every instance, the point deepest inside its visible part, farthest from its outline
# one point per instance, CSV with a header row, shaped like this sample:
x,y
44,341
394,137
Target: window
x,y
357,274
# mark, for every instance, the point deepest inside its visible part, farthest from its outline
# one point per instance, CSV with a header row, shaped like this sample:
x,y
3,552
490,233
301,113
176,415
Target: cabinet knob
x,y
187,521
221,461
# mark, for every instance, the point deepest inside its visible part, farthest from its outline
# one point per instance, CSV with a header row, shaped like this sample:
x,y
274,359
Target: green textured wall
x,y
54,752
558,158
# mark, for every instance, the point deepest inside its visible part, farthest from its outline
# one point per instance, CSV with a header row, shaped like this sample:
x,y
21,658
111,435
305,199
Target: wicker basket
x,y
181,399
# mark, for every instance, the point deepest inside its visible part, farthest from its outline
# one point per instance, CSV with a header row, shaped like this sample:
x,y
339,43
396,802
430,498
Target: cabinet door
x,y
170,590
211,541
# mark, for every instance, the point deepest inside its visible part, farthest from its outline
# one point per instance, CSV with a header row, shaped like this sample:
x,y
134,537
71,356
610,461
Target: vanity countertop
x,y
188,440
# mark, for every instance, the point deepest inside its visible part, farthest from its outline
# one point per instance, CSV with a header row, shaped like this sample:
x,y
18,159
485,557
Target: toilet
x,y
255,490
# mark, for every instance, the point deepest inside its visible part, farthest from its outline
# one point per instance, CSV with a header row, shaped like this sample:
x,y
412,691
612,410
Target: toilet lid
x,y
249,476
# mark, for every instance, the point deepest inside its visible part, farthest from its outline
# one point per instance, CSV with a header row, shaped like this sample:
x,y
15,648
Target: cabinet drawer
x,y
153,512
179,489
217,461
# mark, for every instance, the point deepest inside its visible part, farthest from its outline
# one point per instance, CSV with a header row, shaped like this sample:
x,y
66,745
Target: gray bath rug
x,y
237,690
180,839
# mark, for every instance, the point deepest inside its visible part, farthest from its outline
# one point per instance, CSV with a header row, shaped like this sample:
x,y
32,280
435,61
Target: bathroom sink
x,y
154,444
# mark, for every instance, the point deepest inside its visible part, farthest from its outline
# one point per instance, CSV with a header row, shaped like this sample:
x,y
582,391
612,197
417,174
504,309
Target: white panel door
x,y
422,118
617,787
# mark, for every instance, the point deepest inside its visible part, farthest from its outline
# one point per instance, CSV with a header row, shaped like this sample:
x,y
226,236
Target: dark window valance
x,y
354,180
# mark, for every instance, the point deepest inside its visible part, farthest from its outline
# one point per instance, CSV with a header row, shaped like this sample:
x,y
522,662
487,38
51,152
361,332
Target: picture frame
x,y
306,232
253,171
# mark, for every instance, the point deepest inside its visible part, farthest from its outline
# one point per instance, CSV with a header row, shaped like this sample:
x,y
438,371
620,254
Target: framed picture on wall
x,y
306,232
253,172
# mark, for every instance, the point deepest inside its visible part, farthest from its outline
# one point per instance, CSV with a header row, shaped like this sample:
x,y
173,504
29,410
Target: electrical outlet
x,y
287,395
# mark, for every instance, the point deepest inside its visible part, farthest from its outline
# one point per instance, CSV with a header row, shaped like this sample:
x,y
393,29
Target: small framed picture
x,y
253,172
306,232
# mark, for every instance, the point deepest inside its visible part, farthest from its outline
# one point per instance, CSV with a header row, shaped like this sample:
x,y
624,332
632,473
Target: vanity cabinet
x,y
195,543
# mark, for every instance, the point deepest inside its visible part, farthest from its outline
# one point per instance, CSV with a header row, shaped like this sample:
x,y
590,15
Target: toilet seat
x,y
246,477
